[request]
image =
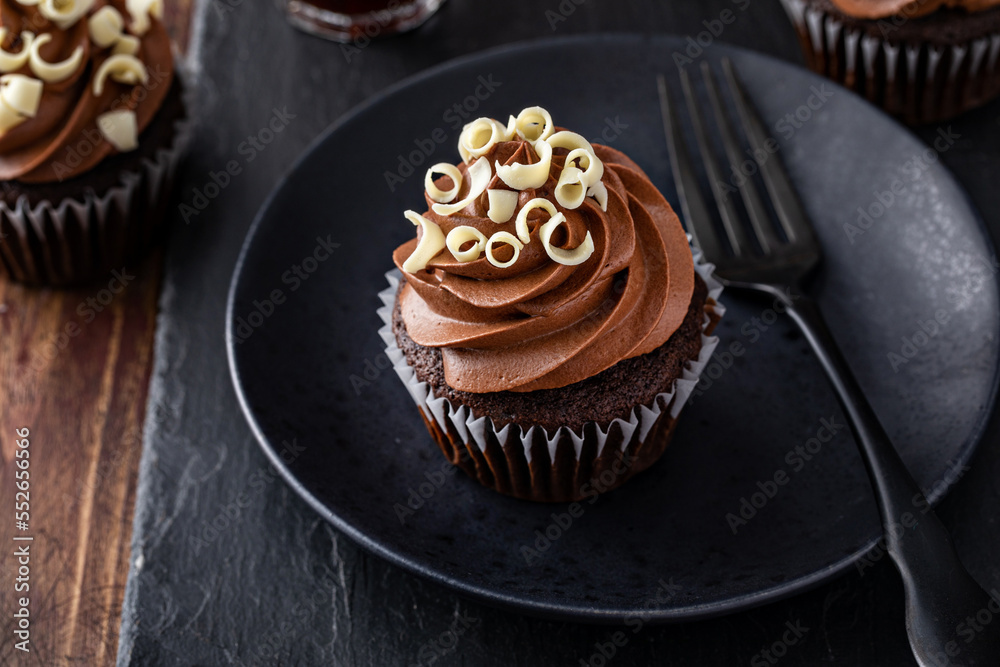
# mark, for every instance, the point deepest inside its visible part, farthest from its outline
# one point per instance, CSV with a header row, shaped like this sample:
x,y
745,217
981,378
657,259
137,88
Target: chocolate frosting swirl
x,y
878,9
538,324
63,140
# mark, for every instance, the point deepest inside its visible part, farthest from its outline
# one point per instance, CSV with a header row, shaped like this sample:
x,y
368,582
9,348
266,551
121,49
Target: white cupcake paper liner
x,y
474,430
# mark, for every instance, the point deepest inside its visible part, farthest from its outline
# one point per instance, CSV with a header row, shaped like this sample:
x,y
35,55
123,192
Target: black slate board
x,y
276,585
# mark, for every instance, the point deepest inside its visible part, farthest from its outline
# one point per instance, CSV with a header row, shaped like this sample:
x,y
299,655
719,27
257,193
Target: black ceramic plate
x,y
309,369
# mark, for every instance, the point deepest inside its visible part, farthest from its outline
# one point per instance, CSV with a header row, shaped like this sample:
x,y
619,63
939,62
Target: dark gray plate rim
x,y
569,611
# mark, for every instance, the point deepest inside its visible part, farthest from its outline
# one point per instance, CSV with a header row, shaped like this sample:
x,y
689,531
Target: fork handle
x,y
942,599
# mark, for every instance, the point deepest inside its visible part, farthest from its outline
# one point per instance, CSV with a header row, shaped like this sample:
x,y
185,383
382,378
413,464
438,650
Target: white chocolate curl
x,y
19,99
521,224
511,130
126,44
106,26
52,72
582,154
21,93
599,192
64,13
462,235
123,68
481,175
577,255
570,140
570,191
140,11
480,136
534,124
502,205
436,193
10,62
120,128
580,177
524,176
9,118
593,168
509,239
431,242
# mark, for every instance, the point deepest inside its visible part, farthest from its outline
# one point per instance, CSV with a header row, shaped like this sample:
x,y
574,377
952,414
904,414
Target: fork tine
x,y
760,218
735,231
693,205
786,203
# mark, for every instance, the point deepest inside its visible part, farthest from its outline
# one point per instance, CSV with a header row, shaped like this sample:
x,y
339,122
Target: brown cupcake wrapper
x,y
915,81
80,239
566,465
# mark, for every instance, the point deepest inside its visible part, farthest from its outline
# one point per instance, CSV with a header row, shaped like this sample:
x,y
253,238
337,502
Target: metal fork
x,y
940,594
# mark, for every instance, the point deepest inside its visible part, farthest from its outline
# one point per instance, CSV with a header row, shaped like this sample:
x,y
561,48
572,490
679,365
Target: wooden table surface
x,y
78,379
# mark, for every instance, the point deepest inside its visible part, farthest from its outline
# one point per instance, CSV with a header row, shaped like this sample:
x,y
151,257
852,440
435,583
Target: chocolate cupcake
x,y
550,320
923,61
91,127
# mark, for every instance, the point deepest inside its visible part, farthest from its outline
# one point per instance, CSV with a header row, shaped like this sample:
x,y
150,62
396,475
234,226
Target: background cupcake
x,y
90,132
549,320
921,60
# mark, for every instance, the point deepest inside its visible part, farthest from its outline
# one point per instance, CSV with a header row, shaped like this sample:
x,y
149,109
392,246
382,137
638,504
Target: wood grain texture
x,y
74,369
267,581
78,379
